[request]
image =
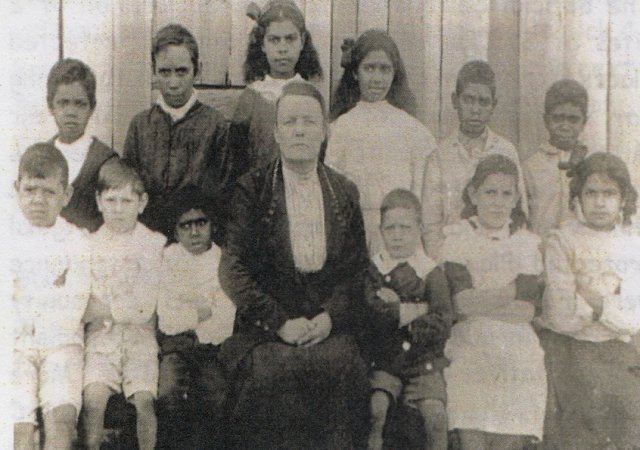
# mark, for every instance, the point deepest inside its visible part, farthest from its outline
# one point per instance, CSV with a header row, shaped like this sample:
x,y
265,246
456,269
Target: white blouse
x,y
305,211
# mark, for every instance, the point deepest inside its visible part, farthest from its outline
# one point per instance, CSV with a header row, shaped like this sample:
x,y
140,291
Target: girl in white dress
x,y
496,383
375,139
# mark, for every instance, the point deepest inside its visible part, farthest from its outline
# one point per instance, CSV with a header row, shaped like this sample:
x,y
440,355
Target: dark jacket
x,y
82,209
257,269
170,156
416,348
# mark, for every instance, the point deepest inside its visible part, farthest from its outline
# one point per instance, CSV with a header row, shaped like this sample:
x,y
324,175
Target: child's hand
x,y
204,313
388,295
595,289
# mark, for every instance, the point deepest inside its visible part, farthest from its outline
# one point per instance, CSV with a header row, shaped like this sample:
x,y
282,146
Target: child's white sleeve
x,y
174,316
621,313
621,309
564,310
72,289
220,325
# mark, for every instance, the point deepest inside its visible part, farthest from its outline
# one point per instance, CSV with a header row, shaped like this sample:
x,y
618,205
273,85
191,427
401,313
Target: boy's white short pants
x,y
124,357
46,378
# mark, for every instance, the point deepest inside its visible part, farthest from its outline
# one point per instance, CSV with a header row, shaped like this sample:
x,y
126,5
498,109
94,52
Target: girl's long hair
x,y
490,165
256,65
347,93
614,168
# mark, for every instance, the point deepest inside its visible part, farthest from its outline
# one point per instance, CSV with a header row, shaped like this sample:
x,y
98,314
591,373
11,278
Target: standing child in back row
x,y
452,165
179,141
547,171
280,50
376,140
71,96
410,322
121,353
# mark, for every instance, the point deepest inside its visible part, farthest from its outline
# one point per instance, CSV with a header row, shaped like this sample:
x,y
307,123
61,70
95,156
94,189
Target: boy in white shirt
x,y
50,272
121,348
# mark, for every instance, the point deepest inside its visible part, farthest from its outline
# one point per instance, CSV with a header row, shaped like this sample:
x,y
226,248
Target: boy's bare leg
x,y
146,418
379,407
473,440
23,436
507,442
95,396
60,428
434,415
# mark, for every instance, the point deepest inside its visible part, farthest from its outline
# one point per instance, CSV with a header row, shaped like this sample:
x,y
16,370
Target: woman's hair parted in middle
x,y
256,65
347,93
494,164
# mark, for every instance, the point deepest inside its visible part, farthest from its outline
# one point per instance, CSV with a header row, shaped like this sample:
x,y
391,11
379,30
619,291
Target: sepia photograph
x,y
320,224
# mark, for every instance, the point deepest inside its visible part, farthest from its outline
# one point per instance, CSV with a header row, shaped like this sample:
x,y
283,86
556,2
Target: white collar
x,y
78,147
419,261
271,88
496,235
75,153
177,113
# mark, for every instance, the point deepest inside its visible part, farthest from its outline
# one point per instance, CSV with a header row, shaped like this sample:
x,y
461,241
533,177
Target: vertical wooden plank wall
x,y
406,26
88,36
430,84
372,14
132,71
624,85
33,43
503,55
241,25
541,63
216,26
586,30
318,21
465,36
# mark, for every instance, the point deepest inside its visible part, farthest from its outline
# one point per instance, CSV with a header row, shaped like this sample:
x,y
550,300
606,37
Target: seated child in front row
x,y
49,266
121,349
591,310
496,383
195,317
411,318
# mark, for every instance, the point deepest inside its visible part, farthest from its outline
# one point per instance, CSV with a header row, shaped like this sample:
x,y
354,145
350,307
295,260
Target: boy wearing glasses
x,y
548,170
454,162
195,317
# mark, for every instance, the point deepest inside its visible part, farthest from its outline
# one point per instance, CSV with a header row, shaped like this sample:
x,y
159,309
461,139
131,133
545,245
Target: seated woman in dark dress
x,y
294,265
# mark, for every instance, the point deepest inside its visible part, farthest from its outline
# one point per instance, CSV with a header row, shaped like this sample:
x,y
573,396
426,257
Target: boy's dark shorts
x,y
431,385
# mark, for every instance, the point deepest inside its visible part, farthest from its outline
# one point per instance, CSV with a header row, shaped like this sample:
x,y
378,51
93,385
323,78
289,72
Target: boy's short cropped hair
x,y
401,198
116,174
67,71
479,72
566,91
43,160
175,34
